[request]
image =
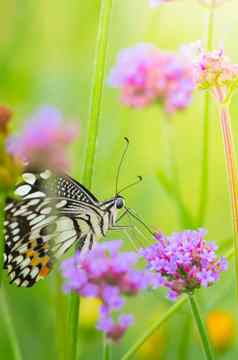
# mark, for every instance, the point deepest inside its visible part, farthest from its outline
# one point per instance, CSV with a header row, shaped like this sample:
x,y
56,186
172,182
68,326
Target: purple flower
x,y
146,75
110,276
184,262
44,139
114,330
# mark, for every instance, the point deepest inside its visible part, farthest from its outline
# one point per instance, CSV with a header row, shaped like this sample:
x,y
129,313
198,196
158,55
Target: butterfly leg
x,y
121,227
122,215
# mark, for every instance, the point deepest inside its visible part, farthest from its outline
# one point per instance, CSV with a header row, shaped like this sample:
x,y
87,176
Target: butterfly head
x,y
119,202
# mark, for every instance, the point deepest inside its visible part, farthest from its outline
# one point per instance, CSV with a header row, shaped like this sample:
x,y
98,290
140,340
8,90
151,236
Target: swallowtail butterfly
x,y
50,214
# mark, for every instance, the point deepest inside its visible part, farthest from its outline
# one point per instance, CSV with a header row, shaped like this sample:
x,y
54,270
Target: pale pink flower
x,y
44,140
214,70
147,75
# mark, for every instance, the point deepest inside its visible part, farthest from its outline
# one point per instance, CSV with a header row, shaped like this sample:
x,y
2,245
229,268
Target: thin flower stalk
x,y
60,319
106,349
206,131
94,114
6,319
201,328
217,73
229,148
97,89
183,348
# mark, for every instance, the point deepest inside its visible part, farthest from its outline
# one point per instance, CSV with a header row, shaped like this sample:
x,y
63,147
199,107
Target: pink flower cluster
x,y
184,262
44,140
214,70
109,275
146,75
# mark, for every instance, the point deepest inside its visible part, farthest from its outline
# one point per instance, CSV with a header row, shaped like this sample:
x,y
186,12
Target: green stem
x,y
73,325
106,349
173,309
94,115
183,349
9,328
201,328
2,206
206,132
97,89
231,168
61,319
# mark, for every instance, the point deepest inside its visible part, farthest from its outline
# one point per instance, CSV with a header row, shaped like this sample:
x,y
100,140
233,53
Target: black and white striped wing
x,y
43,223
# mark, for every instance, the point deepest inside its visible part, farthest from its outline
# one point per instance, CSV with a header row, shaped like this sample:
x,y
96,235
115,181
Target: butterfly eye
x,y
120,203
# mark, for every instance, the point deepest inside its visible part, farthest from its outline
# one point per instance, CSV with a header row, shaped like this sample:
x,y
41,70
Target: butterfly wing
x,y
47,218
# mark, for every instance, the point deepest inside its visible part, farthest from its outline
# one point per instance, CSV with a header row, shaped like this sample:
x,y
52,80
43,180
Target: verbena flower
x,y
9,166
146,75
44,140
114,330
214,70
108,275
184,261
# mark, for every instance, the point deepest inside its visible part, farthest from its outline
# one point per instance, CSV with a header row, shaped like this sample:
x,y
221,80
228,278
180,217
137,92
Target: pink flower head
x,y
214,70
184,262
146,75
44,140
109,275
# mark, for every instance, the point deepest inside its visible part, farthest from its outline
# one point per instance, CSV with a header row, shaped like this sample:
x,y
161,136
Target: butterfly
x,y
50,214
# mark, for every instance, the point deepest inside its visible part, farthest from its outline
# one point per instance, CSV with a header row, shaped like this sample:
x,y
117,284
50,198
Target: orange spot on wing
x,y
30,253
44,271
35,261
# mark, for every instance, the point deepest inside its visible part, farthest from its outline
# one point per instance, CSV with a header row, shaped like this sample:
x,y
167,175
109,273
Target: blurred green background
x,y
46,57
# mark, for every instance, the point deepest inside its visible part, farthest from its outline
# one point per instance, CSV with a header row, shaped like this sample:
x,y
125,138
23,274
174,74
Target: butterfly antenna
x,y
135,216
139,179
121,162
